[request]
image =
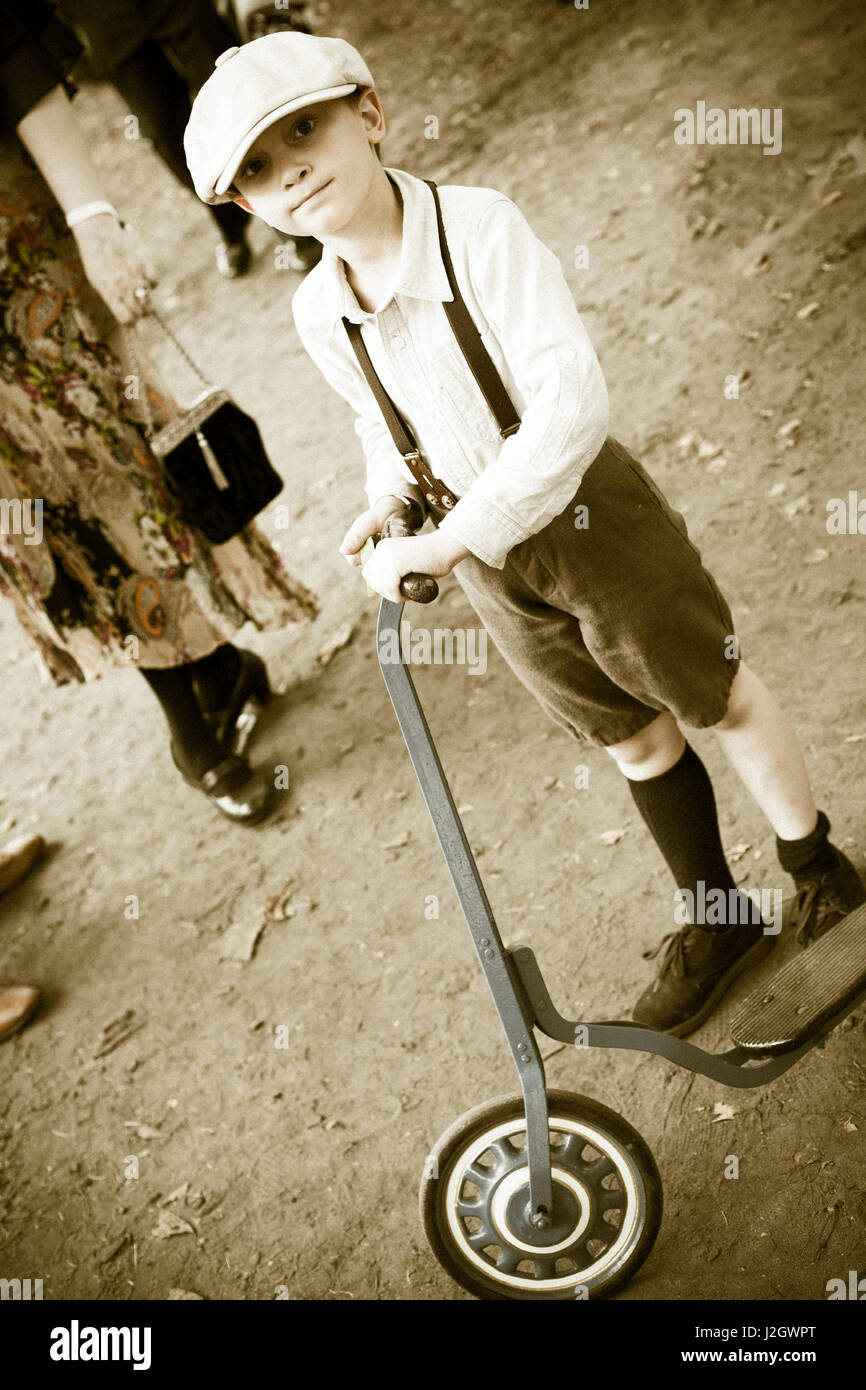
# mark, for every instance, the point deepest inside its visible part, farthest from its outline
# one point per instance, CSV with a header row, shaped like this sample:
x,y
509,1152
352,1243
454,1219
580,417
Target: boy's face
x,y
309,173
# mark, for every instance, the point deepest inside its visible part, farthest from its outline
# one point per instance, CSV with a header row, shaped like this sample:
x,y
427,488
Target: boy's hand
x,y
434,554
369,523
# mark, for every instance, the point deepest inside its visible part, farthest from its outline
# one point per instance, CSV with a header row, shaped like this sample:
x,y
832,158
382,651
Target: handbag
x,y
481,365
212,456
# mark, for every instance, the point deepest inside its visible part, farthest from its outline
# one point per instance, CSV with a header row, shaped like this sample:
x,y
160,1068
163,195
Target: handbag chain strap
x,y
130,340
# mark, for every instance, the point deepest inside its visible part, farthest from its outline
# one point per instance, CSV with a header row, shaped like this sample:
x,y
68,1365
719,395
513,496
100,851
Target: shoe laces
x,y
813,903
674,959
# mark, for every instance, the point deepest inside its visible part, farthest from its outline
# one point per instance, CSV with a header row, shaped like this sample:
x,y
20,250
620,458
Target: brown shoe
x,y
17,1003
697,969
18,858
820,903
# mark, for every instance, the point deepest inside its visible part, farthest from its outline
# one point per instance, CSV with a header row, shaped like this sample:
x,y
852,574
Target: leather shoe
x,y
18,858
17,1003
234,788
235,724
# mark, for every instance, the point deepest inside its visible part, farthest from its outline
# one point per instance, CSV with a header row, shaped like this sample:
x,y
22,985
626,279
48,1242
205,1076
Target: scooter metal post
x,y
514,1011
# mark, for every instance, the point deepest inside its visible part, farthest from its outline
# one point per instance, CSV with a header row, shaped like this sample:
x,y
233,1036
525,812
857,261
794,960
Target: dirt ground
x,y
262,1166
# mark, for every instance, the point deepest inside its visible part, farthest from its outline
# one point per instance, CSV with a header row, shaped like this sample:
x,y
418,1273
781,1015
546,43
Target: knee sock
x,y
809,857
196,747
679,809
215,676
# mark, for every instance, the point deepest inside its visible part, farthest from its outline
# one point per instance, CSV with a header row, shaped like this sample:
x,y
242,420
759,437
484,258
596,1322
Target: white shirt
x,y
516,292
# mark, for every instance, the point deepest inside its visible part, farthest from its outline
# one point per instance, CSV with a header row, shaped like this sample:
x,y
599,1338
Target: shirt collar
x,y
422,274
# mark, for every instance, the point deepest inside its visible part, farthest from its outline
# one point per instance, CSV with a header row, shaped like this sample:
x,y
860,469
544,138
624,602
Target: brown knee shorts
x,y
609,625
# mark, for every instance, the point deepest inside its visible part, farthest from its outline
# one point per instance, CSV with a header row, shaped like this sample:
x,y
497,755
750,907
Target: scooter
x,y
549,1194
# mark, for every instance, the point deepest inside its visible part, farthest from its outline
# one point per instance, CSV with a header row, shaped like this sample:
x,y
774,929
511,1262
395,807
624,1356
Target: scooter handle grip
x,y
419,588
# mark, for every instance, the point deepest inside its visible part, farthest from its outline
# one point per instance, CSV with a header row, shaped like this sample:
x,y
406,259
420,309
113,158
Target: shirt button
x,y
397,340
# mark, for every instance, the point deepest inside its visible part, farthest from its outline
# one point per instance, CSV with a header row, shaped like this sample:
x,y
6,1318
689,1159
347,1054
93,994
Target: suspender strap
x,y
472,347
480,363
433,489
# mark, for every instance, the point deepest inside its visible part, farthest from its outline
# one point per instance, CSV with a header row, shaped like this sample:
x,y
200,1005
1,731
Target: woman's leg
x,y
195,747
239,792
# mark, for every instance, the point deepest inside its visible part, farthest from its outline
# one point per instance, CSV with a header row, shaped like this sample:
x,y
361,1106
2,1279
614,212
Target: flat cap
x,y
255,85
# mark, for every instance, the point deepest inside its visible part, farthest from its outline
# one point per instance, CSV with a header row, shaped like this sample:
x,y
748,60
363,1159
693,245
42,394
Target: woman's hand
x,y
113,262
114,265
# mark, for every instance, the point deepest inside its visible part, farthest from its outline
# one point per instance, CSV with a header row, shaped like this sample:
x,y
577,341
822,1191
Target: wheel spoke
x,y
509,1259
471,1206
504,1154
599,1168
568,1155
485,1236
599,1229
482,1177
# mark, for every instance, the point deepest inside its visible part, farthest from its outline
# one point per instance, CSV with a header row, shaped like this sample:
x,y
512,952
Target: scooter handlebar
x,y
418,588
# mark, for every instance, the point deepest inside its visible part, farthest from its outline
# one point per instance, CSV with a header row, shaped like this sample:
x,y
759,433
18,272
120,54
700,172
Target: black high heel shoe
x,y
241,793
235,724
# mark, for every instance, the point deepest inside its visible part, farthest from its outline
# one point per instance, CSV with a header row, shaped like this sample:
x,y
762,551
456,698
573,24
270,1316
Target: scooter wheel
x,y
606,1210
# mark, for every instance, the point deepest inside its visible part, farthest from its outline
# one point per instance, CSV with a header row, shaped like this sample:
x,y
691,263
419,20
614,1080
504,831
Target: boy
x,y
610,620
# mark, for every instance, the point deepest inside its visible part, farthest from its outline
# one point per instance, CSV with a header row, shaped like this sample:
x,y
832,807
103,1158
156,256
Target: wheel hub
x,y
511,1212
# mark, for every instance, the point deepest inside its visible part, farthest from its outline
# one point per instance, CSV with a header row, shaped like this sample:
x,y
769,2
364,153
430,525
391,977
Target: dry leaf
x,y
817,555
170,1224
802,504
808,310
723,1111
736,852
399,841
610,837
176,1195
238,941
175,1295
277,907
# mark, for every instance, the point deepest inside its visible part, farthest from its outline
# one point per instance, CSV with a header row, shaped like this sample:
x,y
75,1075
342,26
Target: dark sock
x,y
196,747
679,809
809,857
215,676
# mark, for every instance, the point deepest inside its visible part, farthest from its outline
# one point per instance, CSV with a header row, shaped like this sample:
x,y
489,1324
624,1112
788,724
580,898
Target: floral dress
x,y
94,555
